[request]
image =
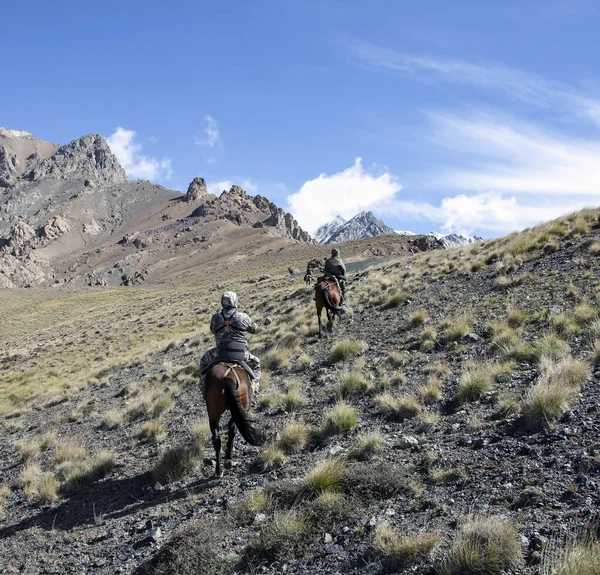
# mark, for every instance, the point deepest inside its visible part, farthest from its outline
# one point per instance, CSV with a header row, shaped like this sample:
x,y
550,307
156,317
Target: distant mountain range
x,y
366,225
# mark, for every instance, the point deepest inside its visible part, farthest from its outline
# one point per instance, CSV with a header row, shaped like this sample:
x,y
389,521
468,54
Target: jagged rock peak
x,y
240,208
362,225
197,190
88,157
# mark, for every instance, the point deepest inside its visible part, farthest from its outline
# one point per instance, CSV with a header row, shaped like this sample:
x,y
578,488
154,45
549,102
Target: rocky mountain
x,y
326,231
362,225
70,214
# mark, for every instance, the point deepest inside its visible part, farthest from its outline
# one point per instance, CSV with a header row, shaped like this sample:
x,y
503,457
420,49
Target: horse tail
x,y
250,433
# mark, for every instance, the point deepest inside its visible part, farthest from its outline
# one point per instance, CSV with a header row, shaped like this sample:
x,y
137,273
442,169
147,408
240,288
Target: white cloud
x,y
519,158
345,193
128,152
489,212
213,138
217,188
528,87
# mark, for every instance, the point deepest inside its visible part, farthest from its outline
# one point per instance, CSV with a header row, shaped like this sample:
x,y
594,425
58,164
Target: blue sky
x,y
480,117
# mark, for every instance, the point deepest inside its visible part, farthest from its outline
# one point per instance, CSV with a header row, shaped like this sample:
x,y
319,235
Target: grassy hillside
x,y
449,425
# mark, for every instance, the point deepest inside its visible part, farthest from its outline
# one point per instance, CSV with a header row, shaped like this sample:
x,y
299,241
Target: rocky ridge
x,y
65,209
236,206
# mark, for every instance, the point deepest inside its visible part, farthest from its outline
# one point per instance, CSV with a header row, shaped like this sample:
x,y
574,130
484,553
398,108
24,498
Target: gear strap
x,y
231,368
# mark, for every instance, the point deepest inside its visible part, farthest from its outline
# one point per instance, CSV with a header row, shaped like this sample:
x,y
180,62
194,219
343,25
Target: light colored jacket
x,y
232,325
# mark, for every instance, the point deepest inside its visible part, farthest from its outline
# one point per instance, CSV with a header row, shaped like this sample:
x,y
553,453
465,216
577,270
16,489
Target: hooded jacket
x,y
230,324
334,265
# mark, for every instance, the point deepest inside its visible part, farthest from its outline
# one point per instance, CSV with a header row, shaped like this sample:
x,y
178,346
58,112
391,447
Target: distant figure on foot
x,y
335,269
231,328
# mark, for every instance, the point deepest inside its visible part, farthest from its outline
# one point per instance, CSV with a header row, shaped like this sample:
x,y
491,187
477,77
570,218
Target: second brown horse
x,y
328,297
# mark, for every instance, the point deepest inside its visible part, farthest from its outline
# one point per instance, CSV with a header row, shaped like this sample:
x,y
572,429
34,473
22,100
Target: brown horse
x,y
227,387
328,296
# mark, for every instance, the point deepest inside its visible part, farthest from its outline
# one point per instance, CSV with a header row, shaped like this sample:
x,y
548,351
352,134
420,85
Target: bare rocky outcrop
x,y
240,208
197,191
19,152
55,228
425,243
88,158
20,239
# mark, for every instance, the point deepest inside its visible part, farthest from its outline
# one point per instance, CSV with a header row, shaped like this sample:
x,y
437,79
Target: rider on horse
x,y
231,329
335,269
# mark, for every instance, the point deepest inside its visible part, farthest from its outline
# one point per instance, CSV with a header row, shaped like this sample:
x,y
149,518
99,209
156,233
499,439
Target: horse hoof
x,y
227,464
219,475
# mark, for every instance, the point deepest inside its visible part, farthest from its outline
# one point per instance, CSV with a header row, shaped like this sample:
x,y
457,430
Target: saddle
x,y
231,352
329,281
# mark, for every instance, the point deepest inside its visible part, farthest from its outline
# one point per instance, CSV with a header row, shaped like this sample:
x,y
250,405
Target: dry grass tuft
x,y
67,452
403,547
550,345
112,419
431,391
555,391
293,437
427,420
397,408
366,446
341,418
579,556
28,451
161,405
396,298
478,378
484,545
295,398
270,400
152,431
458,327
28,479
418,318
272,458
350,382
347,349
326,476
282,537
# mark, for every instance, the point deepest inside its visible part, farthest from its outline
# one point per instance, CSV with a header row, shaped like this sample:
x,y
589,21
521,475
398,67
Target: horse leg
x,y
229,446
329,321
319,310
214,429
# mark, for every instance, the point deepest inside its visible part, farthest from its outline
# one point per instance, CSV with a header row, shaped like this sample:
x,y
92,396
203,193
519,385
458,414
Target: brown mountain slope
x,y
450,425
